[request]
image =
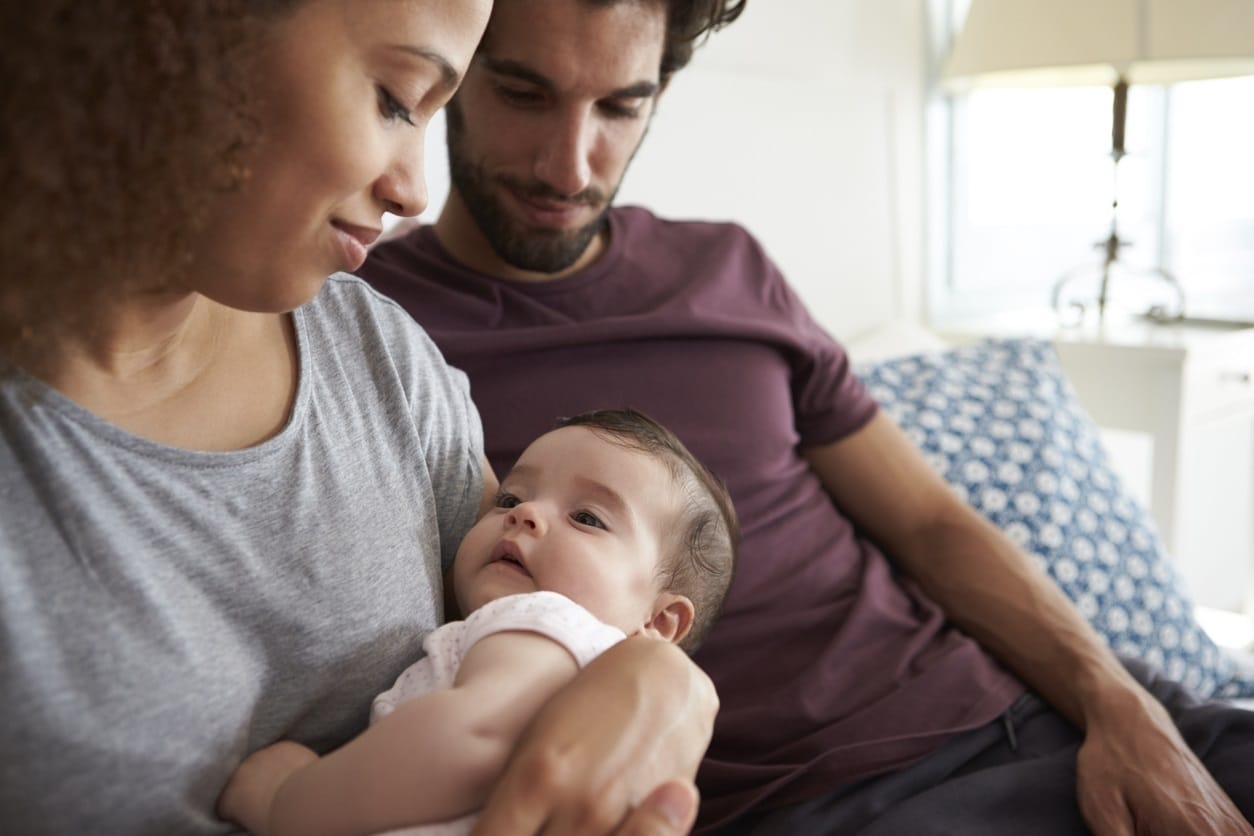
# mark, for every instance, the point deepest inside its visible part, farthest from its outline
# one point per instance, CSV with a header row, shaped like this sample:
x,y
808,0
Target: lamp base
x,y
1073,308
1077,309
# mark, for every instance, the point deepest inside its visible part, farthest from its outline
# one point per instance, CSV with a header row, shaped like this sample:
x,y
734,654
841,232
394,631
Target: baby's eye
x,y
506,500
587,518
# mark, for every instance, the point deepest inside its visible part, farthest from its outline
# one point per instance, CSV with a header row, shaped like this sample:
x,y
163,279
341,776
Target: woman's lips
x,y
354,242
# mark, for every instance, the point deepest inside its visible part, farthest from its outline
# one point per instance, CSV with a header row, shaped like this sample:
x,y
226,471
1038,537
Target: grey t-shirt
x,y
165,612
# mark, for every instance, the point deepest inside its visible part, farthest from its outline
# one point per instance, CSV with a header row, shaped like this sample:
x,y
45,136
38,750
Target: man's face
x,y
551,112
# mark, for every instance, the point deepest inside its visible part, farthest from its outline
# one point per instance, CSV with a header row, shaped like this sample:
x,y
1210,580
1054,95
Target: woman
x,y
228,483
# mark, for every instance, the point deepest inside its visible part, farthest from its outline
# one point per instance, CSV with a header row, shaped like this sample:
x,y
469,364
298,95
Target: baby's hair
x,y
707,534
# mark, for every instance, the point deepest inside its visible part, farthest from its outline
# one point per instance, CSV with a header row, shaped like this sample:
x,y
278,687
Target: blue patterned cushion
x,y
1001,423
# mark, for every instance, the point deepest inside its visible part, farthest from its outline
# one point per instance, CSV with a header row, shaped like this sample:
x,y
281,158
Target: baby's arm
x,y
432,759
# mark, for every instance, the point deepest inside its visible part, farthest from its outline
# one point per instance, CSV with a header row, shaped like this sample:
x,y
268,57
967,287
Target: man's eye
x,y
617,110
587,518
391,108
506,500
520,97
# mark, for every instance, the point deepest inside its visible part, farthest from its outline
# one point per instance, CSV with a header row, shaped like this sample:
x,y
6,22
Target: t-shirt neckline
x,y
603,266
48,396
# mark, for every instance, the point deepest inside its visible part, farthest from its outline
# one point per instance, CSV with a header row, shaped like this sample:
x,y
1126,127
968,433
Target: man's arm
x,y
1133,759
432,759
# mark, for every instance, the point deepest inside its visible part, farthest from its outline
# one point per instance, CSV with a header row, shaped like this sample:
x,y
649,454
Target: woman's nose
x,y
402,187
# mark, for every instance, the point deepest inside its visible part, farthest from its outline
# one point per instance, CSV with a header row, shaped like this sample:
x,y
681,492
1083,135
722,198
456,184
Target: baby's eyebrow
x,y
607,495
612,499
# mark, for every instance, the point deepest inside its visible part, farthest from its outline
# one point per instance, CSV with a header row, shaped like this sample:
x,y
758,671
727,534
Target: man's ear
x,y
671,619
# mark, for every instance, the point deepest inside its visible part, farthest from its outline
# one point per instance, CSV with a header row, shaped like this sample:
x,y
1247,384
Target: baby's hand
x,y
250,793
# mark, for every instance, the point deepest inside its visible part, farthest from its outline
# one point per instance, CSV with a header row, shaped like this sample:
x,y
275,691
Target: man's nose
x,y
564,161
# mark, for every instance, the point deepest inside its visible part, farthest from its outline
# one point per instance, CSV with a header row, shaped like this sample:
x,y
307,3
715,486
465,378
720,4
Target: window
x,y
1029,182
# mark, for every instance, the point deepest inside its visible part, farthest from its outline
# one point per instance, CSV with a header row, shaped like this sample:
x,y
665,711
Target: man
x,y
846,689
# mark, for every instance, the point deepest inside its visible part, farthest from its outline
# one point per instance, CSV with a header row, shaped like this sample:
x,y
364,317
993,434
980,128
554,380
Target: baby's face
x,y
580,515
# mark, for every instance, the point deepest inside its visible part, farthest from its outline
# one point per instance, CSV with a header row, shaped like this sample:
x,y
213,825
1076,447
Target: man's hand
x,y
1135,775
249,795
636,721
669,810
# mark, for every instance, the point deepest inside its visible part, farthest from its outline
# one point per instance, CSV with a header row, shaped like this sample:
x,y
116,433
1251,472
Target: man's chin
x,y
545,250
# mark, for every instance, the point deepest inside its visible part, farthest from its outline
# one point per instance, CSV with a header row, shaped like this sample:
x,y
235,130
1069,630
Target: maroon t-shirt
x,y
830,668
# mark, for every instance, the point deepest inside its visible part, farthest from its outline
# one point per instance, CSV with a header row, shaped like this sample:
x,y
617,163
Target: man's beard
x,y
526,248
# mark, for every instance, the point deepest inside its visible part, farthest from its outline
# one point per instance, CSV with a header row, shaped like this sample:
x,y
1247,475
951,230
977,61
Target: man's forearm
x,y
991,589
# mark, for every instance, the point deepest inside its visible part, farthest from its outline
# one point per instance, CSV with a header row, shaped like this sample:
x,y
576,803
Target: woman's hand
x,y
249,795
633,725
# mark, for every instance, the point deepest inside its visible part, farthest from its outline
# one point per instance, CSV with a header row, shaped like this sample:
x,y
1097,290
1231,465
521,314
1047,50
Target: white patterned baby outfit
x,y
546,613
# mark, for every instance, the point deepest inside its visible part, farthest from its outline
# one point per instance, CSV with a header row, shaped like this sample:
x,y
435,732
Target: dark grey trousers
x,y
1013,776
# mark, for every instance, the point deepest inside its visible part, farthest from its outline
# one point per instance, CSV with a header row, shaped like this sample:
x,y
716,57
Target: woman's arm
x,y
432,759
639,717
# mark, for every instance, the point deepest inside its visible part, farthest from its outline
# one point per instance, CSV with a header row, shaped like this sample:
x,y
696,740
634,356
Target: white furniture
x,y
1188,390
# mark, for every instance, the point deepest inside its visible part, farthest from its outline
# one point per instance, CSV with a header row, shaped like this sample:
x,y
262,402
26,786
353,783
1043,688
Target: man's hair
x,y
120,123
688,23
707,535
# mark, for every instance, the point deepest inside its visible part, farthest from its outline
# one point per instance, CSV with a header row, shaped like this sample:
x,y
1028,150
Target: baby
x,y
605,527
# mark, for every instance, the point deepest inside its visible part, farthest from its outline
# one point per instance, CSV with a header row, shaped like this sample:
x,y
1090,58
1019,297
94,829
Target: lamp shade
x,y
1066,42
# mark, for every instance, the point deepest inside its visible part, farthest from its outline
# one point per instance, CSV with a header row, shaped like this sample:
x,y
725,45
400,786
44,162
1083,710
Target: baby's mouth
x,y
508,554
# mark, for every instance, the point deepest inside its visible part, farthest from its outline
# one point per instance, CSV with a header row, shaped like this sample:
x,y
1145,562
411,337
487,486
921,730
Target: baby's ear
x,y
671,619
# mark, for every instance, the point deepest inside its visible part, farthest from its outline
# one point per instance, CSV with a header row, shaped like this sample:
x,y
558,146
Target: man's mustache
x,y
590,196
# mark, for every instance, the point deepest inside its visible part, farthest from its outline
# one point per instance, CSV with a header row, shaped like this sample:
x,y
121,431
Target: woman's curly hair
x,y
119,122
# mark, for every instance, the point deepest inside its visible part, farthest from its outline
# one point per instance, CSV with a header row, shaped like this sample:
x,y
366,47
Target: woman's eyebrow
x,y
449,77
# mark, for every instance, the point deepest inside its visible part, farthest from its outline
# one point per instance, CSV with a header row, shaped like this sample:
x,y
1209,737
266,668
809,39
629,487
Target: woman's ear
x,y
671,619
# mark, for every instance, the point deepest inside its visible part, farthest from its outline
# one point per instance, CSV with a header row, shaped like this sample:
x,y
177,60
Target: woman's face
x,y
347,90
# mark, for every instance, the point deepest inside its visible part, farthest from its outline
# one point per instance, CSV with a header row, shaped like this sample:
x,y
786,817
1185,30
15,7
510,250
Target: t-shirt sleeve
x,y
448,425
453,445
830,402
549,614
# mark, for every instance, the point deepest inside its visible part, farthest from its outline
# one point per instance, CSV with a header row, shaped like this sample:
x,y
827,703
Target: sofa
x,y
999,420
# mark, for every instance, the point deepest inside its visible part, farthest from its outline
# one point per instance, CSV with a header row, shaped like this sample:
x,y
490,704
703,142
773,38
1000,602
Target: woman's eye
x,y
391,107
506,500
587,518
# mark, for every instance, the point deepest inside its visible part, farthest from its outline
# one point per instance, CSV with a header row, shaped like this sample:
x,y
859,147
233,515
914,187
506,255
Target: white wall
x,y
803,120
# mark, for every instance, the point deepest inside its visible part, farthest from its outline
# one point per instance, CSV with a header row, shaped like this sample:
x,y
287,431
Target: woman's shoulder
x,y
355,335
346,297
349,314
